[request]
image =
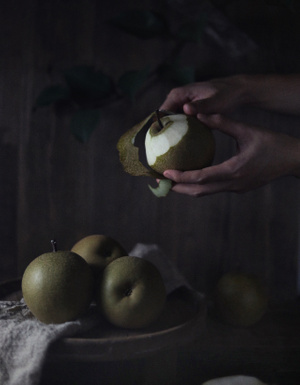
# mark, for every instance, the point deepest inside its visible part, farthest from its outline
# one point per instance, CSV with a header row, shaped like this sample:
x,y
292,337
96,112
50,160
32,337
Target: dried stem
x,y
158,119
54,245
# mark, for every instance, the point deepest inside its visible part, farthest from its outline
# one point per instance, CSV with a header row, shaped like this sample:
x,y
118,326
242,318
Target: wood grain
x,y
53,186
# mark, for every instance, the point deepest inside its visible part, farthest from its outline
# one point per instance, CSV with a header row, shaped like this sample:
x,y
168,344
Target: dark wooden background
x,y
51,185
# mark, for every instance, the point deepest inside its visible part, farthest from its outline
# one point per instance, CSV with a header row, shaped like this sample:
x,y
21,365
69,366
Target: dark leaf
x,y
84,122
52,95
177,74
131,81
143,24
193,31
88,84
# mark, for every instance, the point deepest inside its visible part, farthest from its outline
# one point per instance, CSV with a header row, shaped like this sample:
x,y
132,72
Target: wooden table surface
x,y
269,350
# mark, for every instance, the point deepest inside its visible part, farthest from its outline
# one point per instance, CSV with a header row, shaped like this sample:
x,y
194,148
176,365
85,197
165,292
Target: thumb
x,y
221,123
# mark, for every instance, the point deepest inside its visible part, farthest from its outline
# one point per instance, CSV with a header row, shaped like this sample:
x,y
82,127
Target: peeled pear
x,y
179,142
240,299
172,141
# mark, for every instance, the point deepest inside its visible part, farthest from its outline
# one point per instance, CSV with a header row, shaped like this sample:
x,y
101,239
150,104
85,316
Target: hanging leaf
x,y
132,81
52,94
87,84
143,24
84,122
177,74
192,31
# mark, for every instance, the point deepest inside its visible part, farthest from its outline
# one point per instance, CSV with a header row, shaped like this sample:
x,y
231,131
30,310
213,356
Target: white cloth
x,y
24,340
172,278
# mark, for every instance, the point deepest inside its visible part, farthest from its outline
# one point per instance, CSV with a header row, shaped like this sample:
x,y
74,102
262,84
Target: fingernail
x,y
167,174
190,109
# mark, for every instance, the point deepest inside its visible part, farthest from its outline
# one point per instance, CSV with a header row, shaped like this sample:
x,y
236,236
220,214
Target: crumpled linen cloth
x,y
24,340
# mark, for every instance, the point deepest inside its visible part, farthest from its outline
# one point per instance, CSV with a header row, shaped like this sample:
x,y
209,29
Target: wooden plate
x,y
182,321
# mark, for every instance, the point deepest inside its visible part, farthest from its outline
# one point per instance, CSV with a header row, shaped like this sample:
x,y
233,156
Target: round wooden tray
x,y
182,321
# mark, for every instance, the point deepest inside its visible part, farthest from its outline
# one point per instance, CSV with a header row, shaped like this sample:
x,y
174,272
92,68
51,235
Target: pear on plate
x,y
131,293
98,250
58,286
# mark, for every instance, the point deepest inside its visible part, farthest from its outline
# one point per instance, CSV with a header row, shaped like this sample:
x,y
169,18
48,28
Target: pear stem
x,y
158,119
54,245
128,292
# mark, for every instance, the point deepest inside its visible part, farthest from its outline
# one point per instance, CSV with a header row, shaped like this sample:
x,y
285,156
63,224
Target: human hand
x,y
214,96
261,156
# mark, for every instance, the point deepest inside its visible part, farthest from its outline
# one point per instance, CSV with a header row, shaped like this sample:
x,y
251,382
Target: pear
x,y
240,299
179,142
131,293
98,251
172,141
58,286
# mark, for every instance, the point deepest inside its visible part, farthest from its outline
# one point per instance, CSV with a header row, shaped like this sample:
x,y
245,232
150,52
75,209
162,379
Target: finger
x,y
183,176
175,101
211,105
196,190
219,172
224,124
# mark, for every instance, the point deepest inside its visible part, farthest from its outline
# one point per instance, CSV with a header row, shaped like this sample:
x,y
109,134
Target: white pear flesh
x,y
160,144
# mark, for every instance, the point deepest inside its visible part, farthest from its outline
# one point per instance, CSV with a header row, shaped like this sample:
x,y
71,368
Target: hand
x,y
273,92
215,96
261,156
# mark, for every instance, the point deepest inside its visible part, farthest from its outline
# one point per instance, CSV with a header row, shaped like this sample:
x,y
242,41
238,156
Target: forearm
x,y
274,92
296,156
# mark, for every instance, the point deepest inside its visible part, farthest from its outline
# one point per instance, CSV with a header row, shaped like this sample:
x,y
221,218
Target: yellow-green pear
x,y
58,286
98,251
240,299
131,293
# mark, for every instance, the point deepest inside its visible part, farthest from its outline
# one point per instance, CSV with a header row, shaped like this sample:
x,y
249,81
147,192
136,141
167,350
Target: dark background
x,y
54,186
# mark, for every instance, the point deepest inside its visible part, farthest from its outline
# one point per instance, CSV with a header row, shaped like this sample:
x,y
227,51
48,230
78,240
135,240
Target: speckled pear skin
x,y
195,150
131,293
58,287
240,299
98,251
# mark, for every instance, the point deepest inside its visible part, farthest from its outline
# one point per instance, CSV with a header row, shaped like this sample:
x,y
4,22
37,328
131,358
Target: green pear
x,y
98,251
240,299
131,293
58,286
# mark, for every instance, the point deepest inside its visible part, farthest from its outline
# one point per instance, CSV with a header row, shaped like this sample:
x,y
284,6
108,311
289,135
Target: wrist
x,y
254,89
